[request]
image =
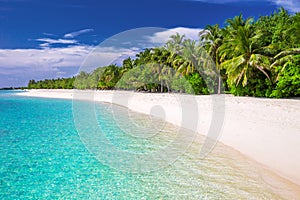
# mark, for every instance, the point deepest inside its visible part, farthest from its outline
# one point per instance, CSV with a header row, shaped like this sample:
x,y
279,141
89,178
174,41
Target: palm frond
x,y
288,52
282,61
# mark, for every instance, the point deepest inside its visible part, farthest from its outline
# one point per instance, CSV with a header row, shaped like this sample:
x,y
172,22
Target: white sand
x,y
266,130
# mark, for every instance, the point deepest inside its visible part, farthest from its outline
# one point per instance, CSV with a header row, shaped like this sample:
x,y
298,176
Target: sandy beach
x,y
265,130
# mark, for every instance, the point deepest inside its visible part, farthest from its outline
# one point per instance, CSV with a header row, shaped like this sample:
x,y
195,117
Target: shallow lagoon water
x,y
43,157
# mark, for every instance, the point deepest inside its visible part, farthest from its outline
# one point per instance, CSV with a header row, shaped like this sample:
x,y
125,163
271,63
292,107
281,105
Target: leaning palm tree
x,y
240,52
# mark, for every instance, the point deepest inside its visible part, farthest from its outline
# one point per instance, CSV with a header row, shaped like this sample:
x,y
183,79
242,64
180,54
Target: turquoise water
x,y
43,157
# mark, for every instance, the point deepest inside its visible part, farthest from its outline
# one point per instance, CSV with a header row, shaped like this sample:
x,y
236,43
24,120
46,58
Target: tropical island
x,y
200,102
259,58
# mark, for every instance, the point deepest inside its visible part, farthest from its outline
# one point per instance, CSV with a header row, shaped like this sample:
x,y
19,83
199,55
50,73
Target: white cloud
x,y
291,5
164,36
17,66
46,42
76,33
49,34
37,59
59,57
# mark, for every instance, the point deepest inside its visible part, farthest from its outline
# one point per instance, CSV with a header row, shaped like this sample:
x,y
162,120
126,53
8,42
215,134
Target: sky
x,y
52,38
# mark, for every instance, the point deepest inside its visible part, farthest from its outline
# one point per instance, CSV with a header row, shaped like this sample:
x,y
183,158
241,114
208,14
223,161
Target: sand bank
x,y
266,130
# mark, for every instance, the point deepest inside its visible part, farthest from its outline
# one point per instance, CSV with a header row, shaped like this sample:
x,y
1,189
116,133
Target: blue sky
x,y
50,39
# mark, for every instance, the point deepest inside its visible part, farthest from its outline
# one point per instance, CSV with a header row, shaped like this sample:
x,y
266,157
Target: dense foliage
x,y
255,58
60,83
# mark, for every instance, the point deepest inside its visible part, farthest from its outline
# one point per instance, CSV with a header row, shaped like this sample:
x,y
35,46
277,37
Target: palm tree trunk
x,y
168,87
219,84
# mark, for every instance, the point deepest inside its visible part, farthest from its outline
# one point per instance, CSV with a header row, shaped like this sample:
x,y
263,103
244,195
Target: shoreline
x,y
270,127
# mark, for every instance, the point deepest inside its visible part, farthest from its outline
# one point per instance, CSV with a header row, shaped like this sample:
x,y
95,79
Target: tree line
x,y
253,57
60,83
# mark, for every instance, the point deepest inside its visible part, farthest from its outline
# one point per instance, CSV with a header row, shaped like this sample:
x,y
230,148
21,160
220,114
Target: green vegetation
x,y
61,83
255,58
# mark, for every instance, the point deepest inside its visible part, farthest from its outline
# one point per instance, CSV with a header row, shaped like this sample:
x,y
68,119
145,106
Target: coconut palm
x,y
212,39
143,57
128,64
240,52
235,23
186,62
160,64
174,45
110,77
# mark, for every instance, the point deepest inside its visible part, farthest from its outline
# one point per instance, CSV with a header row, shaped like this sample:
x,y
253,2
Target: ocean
x,y
43,156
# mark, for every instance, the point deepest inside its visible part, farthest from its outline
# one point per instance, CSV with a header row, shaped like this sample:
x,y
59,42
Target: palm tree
x,y
237,22
110,77
160,65
240,52
186,62
174,45
212,39
143,57
128,64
